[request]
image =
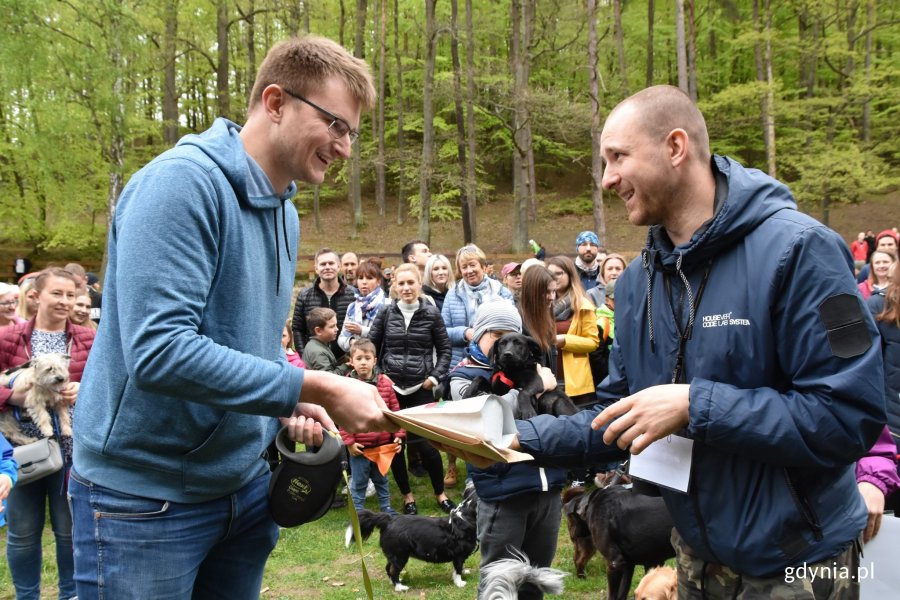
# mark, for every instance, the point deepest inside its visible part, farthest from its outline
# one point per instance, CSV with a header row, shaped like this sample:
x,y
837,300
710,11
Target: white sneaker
x,y
370,489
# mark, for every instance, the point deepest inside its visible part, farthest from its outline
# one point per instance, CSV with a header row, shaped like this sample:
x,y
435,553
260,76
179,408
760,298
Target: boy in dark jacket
x,y
362,361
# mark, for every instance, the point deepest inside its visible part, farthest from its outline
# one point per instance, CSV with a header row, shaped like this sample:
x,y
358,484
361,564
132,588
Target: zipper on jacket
x,y
701,524
804,507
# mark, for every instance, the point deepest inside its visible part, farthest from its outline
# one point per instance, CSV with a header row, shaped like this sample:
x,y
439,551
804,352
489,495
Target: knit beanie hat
x,y
499,315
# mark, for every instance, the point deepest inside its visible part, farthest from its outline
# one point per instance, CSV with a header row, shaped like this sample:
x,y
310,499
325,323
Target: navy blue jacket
x,y
784,395
501,481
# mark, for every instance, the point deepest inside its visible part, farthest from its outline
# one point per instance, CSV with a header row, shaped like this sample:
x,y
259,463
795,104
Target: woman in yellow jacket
x,y
576,331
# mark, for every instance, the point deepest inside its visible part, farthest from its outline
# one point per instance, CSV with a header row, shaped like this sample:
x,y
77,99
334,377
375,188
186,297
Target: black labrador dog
x,y
515,358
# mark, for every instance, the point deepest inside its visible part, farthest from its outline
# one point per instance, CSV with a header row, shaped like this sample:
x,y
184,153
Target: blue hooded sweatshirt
x,y
186,376
785,376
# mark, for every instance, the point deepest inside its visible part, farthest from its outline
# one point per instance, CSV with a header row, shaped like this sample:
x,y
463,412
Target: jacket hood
x,y
223,145
744,199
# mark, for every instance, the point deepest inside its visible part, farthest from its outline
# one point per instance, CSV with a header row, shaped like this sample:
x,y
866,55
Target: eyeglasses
x,y
8,303
338,127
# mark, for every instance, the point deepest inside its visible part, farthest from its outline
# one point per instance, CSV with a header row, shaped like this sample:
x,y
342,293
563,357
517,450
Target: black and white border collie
x,y
432,539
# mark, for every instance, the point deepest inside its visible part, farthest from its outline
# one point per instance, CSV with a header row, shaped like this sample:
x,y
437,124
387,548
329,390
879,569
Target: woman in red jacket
x,y
49,331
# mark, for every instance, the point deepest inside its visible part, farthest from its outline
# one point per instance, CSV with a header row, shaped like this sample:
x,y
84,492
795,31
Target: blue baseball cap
x,y
587,237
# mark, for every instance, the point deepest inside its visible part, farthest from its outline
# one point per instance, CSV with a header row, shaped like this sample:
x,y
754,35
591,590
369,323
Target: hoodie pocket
x,y
229,457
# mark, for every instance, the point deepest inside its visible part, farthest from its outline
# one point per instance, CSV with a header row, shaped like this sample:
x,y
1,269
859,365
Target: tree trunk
x,y
170,91
356,219
691,50
460,122
681,46
401,200
379,120
222,92
427,125
528,10
316,215
651,9
251,48
762,50
471,187
620,46
866,126
596,158
116,148
520,135
341,23
769,113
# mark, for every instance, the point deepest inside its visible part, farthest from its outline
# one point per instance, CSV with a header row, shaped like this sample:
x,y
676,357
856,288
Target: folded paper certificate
x,y
482,425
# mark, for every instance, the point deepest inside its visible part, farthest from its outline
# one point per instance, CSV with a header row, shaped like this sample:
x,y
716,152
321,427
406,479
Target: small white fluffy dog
x,y
47,375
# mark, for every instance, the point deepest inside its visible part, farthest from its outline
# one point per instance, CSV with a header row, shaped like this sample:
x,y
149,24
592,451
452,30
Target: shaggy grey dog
x,y
501,579
47,375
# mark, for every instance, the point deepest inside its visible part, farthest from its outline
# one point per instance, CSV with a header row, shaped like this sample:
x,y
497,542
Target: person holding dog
x,y
187,380
739,328
50,331
519,504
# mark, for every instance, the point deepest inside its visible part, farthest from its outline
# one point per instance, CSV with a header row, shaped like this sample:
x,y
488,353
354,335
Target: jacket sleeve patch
x,y
848,334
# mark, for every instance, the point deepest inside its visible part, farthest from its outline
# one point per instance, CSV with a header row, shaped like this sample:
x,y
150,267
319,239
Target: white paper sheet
x,y
879,577
666,462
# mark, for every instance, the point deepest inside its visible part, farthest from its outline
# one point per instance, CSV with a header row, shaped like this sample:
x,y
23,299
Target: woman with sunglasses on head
x,y
576,332
50,331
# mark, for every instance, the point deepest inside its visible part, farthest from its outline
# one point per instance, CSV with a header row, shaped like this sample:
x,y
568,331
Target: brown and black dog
x,y
627,528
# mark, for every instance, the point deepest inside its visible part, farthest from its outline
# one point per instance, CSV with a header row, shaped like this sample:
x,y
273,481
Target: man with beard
x,y
588,247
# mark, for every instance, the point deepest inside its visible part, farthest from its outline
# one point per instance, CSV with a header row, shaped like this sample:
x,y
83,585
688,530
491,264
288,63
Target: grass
x,y
310,562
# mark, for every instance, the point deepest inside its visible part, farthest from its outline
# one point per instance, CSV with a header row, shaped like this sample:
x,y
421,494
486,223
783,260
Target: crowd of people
x,y
771,369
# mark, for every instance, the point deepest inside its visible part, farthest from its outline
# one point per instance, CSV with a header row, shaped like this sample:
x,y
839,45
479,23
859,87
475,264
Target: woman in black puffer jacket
x,y
414,351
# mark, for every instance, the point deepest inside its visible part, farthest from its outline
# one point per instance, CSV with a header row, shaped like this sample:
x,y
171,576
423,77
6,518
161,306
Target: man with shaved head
x,y
739,329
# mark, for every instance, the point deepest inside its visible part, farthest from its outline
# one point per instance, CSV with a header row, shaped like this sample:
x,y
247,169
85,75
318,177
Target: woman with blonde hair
x,y
576,331
27,299
413,350
472,290
438,279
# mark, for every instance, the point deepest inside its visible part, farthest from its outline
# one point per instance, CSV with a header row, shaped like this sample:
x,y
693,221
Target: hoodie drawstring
x,y
287,246
693,303
277,253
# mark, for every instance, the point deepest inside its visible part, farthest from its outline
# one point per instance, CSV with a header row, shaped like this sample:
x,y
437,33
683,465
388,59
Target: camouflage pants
x,y
833,578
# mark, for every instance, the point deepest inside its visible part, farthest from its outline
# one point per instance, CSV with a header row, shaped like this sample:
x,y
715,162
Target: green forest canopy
x,y
90,90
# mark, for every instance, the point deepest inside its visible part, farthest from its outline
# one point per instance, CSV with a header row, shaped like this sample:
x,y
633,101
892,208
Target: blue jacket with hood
x,y
785,378
186,376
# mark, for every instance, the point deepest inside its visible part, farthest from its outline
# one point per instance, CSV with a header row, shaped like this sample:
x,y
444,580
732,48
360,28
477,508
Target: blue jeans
x,y
25,515
361,470
132,547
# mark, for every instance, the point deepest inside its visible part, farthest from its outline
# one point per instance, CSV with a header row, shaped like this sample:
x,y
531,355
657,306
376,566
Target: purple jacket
x,y
879,466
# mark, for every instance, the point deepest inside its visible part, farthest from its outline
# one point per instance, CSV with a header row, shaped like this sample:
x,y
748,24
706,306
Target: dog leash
x,y
354,520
